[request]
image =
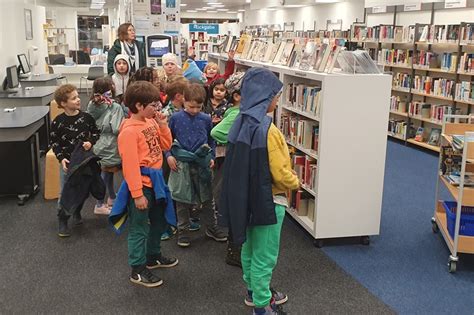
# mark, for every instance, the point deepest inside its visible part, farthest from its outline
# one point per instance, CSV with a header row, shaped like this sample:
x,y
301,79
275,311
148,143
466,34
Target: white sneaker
x,y
110,202
102,210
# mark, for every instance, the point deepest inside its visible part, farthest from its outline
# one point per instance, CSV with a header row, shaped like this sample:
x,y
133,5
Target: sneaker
x,y
216,233
77,219
63,230
110,202
161,262
194,226
102,210
168,233
233,255
278,298
272,309
183,241
145,277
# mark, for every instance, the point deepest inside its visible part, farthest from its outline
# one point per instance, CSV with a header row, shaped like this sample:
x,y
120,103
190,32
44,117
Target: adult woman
x,y
127,44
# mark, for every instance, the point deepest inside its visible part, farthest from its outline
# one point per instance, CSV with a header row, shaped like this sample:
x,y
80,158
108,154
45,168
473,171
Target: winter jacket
x,y
121,80
82,178
119,214
117,49
108,119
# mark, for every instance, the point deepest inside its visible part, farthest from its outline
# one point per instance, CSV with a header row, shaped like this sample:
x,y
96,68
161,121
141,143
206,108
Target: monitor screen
x,y
12,77
159,46
24,64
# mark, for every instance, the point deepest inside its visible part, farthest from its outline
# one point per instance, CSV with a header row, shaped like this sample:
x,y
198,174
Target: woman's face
x,y
131,33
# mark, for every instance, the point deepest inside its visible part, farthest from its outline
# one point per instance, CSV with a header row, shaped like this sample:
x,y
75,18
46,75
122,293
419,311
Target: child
x,y
217,103
140,142
220,133
257,175
191,160
68,129
108,116
121,75
212,69
175,95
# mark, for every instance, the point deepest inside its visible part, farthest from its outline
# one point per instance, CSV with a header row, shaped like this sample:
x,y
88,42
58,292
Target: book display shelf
x,y
341,179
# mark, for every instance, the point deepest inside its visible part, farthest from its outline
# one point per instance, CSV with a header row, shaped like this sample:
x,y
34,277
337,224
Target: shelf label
x,y
412,7
208,28
450,4
300,74
379,9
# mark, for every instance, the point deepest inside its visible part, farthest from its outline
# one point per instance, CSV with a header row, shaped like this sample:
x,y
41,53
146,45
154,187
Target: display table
x,y
37,80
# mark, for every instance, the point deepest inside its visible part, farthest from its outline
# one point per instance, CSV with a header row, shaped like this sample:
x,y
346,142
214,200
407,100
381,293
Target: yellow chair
x,y
51,175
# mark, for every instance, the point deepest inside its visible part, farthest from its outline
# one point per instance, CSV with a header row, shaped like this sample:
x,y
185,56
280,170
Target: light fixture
x,y
102,12
233,12
183,4
213,3
211,11
294,5
191,11
241,10
326,1
218,5
201,9
223,10
271,9
248,1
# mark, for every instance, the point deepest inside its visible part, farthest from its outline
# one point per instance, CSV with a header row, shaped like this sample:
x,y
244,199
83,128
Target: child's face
x,y
236,97
211,71
219,92
150,110
274,103
122,66
170,68
192,107
178,99
73,102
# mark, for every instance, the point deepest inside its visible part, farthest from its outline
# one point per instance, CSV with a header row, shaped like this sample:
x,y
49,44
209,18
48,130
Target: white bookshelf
x,y
351,151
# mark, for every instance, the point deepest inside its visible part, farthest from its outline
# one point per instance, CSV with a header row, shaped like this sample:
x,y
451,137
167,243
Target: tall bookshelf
x,y
350,157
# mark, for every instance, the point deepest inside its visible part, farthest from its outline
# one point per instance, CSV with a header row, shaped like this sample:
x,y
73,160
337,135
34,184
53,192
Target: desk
x,y
19,151
38,96
74,73
40,80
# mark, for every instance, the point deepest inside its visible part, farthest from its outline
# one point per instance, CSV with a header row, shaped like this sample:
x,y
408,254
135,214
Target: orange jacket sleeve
x,y
128,149
165,138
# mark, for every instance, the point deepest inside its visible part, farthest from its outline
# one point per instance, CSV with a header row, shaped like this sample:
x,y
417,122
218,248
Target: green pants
x,y
259,257
145,229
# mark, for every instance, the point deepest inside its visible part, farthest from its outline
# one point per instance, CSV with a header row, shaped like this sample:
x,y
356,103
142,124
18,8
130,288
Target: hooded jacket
x,y
121,80
247,196
82,178
117,49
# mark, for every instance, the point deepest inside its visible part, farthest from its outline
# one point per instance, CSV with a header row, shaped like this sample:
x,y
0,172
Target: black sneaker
x,y
216,233
278,298
233,255
77,219
183,241
145,278
63,230
272,309
161,262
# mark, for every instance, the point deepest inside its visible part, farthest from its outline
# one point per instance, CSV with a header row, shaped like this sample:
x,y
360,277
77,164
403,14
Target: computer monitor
x,y
24,64
157,47
11,82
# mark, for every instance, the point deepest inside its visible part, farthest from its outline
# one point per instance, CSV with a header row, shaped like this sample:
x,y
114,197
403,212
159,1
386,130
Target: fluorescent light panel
x,y
183,4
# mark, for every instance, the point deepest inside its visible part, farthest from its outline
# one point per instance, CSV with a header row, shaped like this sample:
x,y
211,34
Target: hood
x,y
259,86
126,123
124,57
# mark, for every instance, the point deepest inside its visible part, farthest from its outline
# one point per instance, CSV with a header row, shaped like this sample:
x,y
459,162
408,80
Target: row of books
x,y
304,98
466,63
401,80
432,137
425,59
467,33
395,56
448,62
397,104
303,203
434,86
382,33
464,91
398,128
306,169
300,131
439,33
420,110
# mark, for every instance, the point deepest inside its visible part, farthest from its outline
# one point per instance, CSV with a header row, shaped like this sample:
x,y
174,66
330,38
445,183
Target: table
x,y
19,150
37,80
74,73
37,96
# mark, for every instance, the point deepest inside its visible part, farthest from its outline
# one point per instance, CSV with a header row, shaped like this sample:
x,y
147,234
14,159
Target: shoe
x,y
145,277
233,255
183,241
161,262
77,219
102,210
278,297
216,233
166,235
272,309
194,226
110,202
63,230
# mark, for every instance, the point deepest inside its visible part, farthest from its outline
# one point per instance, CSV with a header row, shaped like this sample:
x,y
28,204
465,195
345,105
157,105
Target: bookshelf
x,y
342,159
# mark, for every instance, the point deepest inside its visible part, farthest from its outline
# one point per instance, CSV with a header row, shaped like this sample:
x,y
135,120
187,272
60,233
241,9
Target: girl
x,y
211,70
108,116
217,103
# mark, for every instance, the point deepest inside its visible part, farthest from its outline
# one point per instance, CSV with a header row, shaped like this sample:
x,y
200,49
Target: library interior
x,y
171,222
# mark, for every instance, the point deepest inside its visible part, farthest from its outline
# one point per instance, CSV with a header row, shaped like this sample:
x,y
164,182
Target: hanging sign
x,y
379,9
208,28
412,7
450,4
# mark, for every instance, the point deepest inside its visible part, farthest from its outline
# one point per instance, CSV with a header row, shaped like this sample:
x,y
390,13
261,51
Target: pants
x,y
186,212
145,229
217,177
108,178
259,257
62,179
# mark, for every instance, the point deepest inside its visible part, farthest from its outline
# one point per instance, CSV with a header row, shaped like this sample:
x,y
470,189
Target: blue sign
x,y
208,28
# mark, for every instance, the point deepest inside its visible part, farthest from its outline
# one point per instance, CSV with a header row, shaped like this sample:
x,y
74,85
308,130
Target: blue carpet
x,y
406,265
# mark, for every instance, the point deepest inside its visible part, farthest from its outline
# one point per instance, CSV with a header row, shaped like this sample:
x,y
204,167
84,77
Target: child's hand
x,y
64,163
216,119
172,163
141,203
87,145
231,54
211,164
161,119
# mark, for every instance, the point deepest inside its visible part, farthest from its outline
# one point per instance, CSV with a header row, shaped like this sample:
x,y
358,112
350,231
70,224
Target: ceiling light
x,y
207,8
211,11
248,1
191,11
183,4
241,10
271,9
294,5
223,10
218,5
201,9
233,12
213,3
326,1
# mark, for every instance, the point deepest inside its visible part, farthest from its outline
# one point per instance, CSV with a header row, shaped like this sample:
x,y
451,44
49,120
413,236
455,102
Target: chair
x,y
80,57
94,73
51,175
61,77
58,59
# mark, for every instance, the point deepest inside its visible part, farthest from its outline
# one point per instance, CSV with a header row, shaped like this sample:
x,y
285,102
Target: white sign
x,y
449,4
412,7
379,9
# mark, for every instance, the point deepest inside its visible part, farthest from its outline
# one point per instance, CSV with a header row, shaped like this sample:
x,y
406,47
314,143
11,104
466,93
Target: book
x,y
434,136
307,55
268,52
320,55
279,53
333,58
419,134
288,49
324,58
242,41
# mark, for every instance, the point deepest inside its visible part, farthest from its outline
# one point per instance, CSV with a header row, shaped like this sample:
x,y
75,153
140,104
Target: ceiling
x,y
75,3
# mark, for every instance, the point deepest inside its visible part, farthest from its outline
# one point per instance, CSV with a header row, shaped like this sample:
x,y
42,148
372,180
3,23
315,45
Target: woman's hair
x,y
102,85
122,31
62,93
216,83
211,64
140,92
142,74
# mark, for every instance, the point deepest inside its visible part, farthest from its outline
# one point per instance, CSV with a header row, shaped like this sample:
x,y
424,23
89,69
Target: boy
x,y
191,159
175,95
68,129
257,174
141,140
121,75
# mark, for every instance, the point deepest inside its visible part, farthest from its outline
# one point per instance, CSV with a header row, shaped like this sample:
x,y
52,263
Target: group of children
x,y
168,136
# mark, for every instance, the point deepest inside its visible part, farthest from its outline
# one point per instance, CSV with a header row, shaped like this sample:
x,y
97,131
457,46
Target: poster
x,y
155,7
171,4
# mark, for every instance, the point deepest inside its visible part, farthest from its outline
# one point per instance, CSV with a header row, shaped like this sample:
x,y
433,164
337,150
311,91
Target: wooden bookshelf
x,y
427,120
424,145
439,97
439,70
468,194
394,65
399,113
466,73
464,102
406,90
394,135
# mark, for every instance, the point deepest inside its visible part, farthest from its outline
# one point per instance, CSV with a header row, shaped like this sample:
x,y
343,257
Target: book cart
x,y
346,194
447,218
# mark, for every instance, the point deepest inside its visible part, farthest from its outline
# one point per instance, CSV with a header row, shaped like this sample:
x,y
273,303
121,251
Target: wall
x,y
304,17
14,42
67,18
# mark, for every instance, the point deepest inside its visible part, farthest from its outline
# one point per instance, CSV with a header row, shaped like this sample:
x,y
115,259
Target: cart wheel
x,y
318,243
452,266
434,227
365,240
